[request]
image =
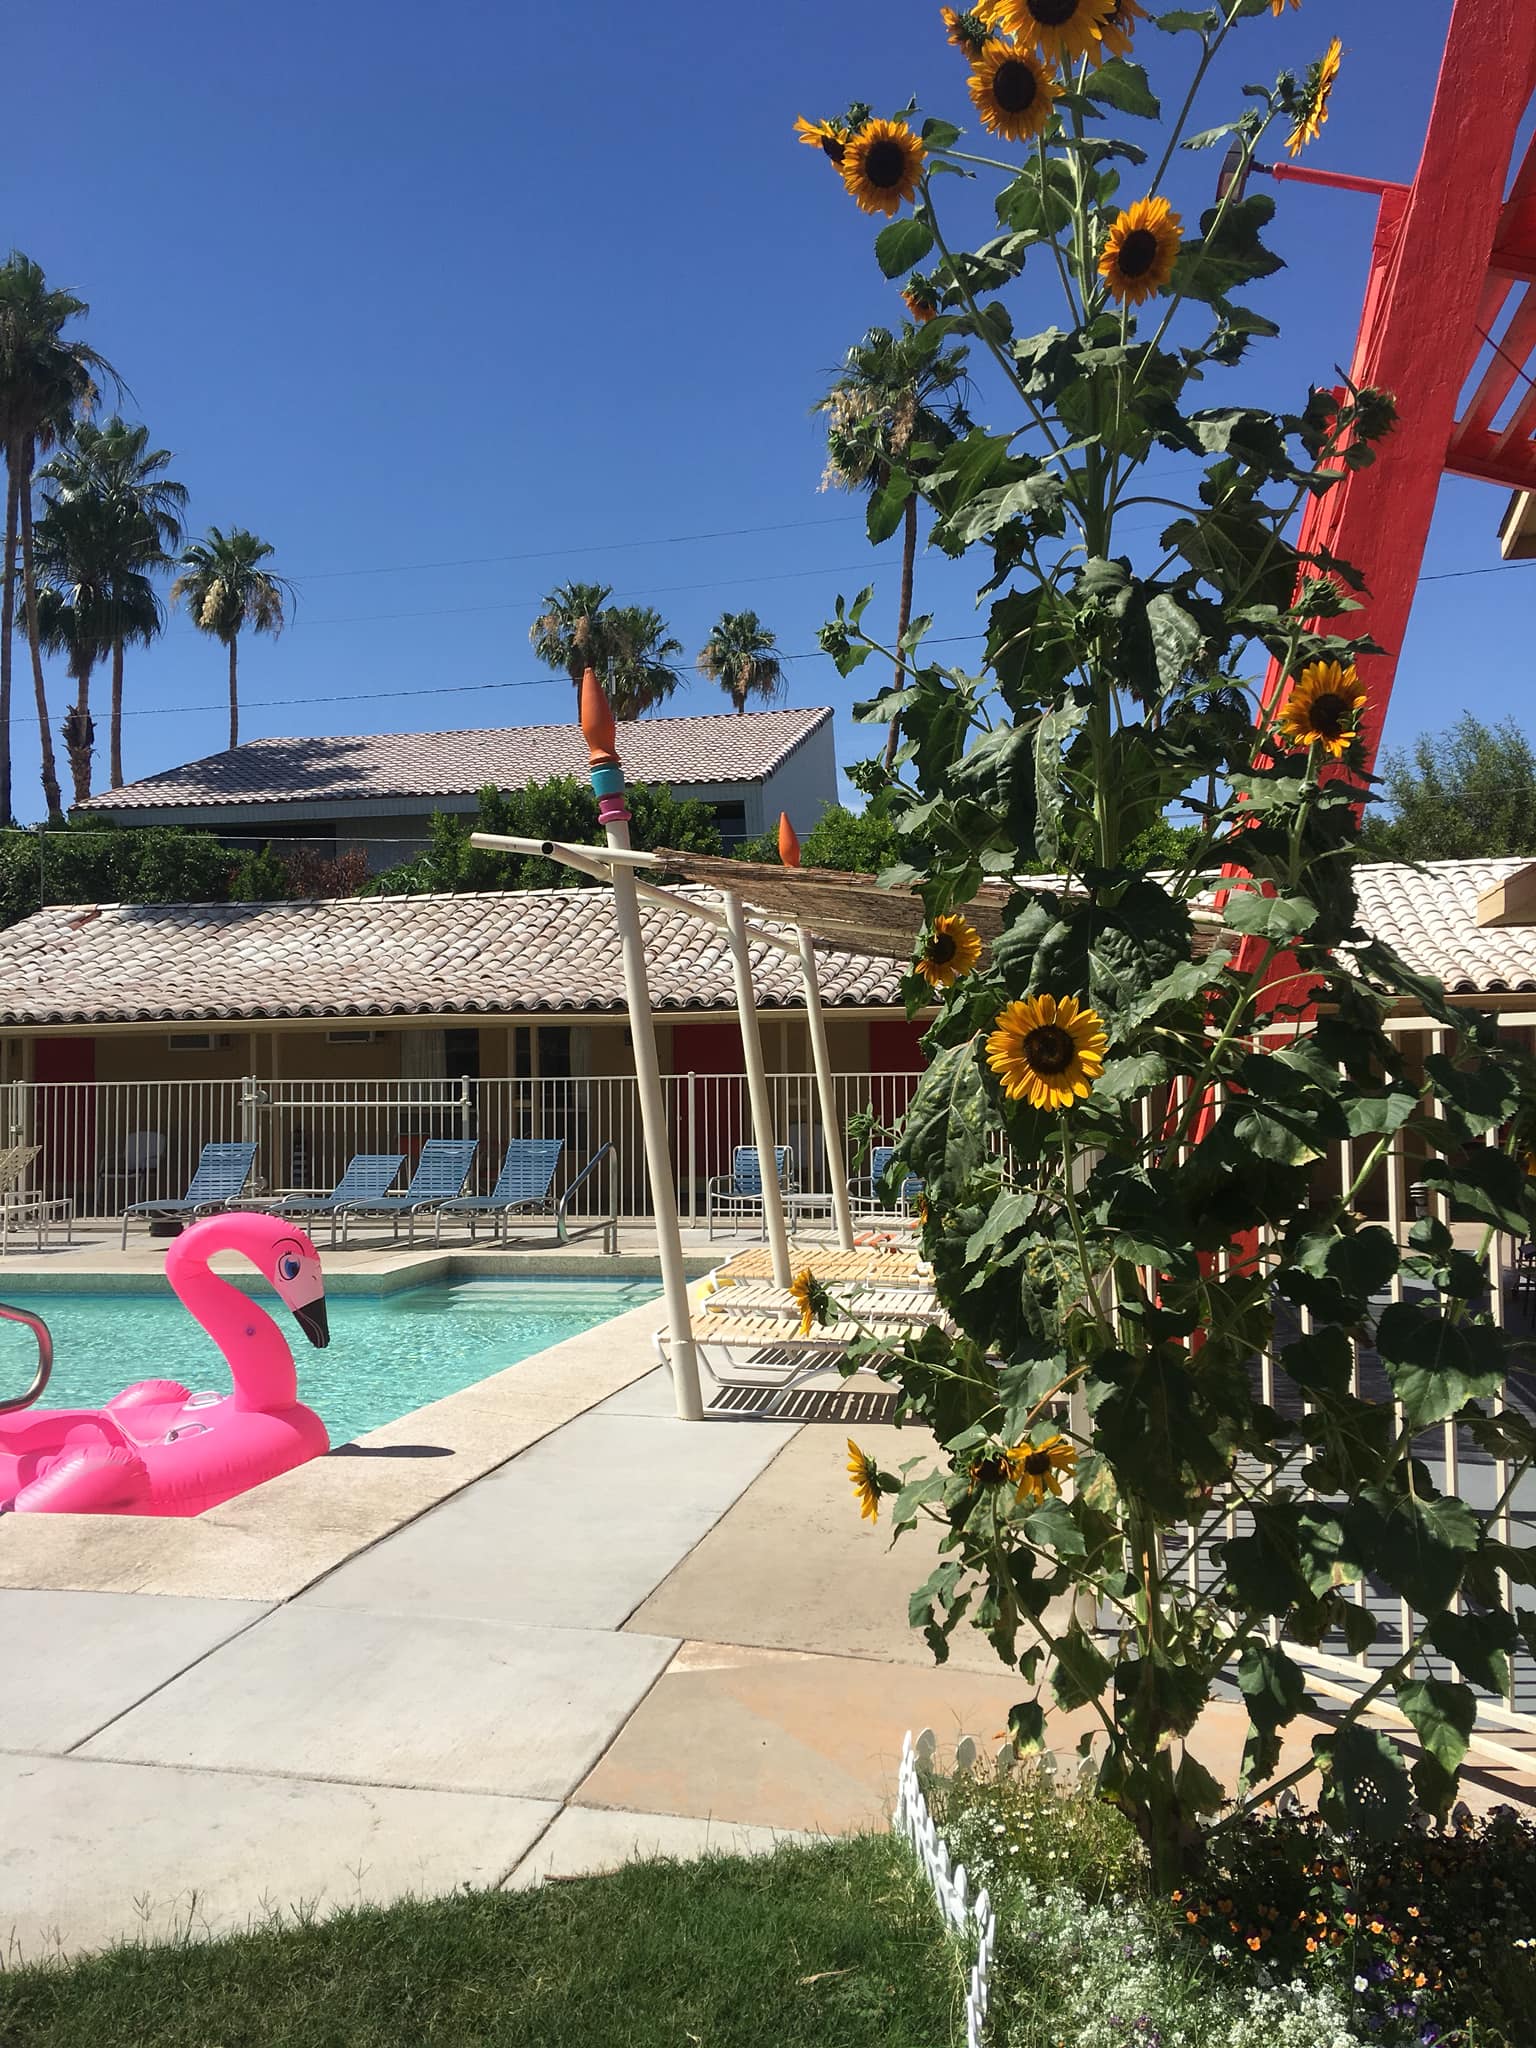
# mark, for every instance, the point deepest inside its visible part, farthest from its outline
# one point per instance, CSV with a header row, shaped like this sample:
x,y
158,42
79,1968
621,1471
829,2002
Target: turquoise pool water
x,y
388,1353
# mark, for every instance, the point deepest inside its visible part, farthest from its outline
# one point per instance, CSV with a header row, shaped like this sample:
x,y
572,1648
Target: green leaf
x,y
1419,1547
1274,1691
940,135
1365,1788
1123,86
1202,19
1281,918
905,243
887,508
1483,1186
1478,1645
1195,1789
945,1133
1053,1527
1436,1367
1081,1670
1026,1725
1442,1715
1209,137
1176,639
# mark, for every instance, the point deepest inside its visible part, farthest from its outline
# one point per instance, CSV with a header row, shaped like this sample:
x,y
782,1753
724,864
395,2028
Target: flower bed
x,y
1291,1936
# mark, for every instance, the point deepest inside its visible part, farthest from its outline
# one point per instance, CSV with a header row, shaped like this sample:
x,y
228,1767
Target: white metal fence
x,y
105,1144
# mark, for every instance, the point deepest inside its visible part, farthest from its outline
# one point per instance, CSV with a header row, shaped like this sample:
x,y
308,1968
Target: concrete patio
x,y
533,1629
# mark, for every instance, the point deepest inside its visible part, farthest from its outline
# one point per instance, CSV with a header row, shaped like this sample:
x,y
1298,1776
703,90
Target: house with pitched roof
x,y
378,791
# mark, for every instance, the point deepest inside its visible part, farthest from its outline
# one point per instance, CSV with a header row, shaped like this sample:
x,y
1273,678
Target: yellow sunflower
x,y
828,136
1118,30
812,1300
1277,7
866,1483
1013,92
921,298
952,948
1315,95
1323,709
1061,30
1036,1469
882,164
1046,1051
968,32
1142,249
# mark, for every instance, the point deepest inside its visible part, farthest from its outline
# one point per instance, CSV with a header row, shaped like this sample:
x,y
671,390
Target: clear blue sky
x,y
454,304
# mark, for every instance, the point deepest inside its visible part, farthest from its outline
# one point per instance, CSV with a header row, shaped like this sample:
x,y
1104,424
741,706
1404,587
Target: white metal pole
x,y
608,781
757,1090
821,1059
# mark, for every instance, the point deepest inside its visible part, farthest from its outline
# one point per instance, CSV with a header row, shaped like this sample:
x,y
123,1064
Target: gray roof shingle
x,y
526,951
367,767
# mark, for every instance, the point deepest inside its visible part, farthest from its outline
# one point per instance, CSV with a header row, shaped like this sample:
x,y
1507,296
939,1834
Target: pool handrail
x,y
609,1224
44,1338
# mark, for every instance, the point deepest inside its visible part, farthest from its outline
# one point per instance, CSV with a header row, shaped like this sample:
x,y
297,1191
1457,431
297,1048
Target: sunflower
x,y
1118,30
1141,251
1061,30
812,1300
1047,1052
882,164
921,298
1013,92
951,949
1312,109
866,1483
1277,7
1323,709
968,32
829,136
1036,1469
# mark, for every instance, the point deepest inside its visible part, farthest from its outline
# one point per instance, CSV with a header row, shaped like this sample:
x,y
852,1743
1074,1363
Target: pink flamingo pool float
x,y
158,1449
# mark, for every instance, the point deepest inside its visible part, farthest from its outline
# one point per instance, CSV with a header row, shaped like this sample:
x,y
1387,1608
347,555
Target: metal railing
x,y
106,1144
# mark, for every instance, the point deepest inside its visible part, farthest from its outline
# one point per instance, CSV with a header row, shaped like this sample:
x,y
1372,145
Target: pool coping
x,y
272,1542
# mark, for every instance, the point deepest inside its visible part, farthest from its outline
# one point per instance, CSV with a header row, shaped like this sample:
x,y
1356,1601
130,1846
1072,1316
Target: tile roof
x,y
556,951
1428,914
362,767
532,950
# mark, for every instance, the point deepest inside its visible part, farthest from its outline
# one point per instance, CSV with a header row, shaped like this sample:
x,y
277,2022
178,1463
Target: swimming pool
x,y
388,1354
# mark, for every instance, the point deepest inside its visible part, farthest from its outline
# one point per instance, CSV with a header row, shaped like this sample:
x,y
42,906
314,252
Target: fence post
x,y
693,1152
466,1106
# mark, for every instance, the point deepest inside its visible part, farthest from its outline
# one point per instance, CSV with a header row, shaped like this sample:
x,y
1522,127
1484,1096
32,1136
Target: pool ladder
x,y
41,1332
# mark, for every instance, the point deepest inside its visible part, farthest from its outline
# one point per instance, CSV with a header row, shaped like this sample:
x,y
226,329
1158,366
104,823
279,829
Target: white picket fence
x,y
971,1919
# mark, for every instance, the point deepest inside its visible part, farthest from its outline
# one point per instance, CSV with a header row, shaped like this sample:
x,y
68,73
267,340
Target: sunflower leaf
x,y
940,134
1202,20
1124,87
903,244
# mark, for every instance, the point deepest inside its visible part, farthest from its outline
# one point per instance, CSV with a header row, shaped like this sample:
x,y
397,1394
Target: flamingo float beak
x,y
313,1321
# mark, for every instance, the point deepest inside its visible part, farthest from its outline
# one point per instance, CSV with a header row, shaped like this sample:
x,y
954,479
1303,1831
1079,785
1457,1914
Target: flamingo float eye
x,y
288,1266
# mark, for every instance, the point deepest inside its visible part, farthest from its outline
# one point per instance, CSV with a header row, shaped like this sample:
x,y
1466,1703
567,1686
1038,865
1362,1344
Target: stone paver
x,y
461,1706
74,1661
99,1852
792,1567
777,1740
586,1839
630,1495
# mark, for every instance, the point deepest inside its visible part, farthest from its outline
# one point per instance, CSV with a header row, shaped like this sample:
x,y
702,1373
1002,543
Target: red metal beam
x,y
1431,260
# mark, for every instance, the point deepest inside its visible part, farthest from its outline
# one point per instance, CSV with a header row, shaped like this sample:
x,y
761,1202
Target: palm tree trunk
x,y
117,712
903,617
79,733
7,639
51,793
234,692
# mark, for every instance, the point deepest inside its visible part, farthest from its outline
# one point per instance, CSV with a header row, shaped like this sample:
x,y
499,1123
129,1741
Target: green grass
x,y
826,1947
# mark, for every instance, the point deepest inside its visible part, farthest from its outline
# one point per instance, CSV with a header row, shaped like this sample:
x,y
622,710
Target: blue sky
x,y
451,305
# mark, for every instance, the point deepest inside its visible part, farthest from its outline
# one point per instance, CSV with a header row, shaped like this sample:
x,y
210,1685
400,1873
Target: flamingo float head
x,y
278,1249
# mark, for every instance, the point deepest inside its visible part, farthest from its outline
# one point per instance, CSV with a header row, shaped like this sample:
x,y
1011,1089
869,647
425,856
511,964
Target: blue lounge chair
x,y
739,1193
440,1176
525,1182
222,1172
864,1189
368,1178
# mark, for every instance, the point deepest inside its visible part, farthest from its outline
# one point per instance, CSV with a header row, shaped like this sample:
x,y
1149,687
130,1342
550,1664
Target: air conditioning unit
x,y
353,1037
199,1041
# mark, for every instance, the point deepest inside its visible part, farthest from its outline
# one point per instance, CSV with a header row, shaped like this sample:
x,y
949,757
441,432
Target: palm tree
x,y
893,394
629,646
47,380
226,588
139,509
741,656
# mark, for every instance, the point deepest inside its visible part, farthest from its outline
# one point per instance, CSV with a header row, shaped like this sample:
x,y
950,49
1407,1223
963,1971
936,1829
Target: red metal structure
x,y
1450,253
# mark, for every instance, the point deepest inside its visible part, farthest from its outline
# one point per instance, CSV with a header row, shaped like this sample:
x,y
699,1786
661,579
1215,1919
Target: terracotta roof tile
x,y
368,767
526,951
1428,915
